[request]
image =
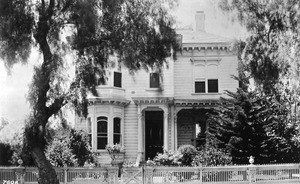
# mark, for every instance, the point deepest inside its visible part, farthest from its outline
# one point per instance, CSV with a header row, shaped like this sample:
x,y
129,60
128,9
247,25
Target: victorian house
x,y
151,111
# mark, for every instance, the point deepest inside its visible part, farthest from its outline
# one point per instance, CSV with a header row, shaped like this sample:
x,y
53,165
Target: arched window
x,y
117,131
101,132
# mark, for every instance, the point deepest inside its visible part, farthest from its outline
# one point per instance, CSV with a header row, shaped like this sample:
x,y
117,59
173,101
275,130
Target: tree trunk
x,y
47,174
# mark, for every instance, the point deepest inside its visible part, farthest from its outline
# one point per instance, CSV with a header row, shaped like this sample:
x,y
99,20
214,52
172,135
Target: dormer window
x,y
154,80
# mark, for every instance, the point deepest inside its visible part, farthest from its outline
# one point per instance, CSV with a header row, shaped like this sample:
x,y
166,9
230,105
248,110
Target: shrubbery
x,y
59,153
167,159
211,156
72,149
188,153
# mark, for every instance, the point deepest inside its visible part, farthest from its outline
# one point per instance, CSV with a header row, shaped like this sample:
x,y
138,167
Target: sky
x,y
14,87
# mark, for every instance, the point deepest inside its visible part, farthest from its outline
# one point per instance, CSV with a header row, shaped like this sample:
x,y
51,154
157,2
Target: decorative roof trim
x,y
204,48
196,103
108,101
205,59
153,100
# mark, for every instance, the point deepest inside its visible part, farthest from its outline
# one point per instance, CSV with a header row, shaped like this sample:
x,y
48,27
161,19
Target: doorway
x,y
153,133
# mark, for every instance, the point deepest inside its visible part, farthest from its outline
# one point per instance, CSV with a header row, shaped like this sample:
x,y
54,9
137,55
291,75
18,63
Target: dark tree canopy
x,y
138,32
268,23
251,124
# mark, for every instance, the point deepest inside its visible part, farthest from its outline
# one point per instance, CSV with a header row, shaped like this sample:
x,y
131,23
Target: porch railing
x,y
284,173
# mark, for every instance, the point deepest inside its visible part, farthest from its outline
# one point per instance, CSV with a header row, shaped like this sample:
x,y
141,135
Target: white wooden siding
x,y
184,80
185,131
131,132
138,84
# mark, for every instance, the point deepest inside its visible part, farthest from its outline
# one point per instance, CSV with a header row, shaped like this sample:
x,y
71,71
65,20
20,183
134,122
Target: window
x,y
89,129
117,131
199,86
101,132
117,79
212,86
206,77
154,80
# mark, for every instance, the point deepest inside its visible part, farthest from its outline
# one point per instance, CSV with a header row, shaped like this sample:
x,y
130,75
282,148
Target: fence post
x,y
251,171
113,175
20,173
148,175
200,173
65,169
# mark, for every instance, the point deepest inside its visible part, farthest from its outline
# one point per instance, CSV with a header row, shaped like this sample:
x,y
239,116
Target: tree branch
x,y
50,9
56,105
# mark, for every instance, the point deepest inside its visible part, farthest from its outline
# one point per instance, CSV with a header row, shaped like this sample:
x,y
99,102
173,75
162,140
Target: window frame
x,y
154,85
117,84
117,133
89,129
214,79
202,67
101,119
110,134
200,80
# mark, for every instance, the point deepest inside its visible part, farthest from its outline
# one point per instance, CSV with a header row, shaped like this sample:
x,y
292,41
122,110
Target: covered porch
x,y
190,121
165,124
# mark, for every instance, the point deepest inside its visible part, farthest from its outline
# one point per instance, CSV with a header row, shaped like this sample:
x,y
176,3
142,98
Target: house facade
x,y
149,111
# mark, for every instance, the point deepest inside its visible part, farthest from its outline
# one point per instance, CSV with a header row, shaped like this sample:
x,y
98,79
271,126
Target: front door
x,y
154,133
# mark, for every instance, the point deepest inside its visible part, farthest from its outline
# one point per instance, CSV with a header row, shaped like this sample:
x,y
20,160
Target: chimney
x,y
200,21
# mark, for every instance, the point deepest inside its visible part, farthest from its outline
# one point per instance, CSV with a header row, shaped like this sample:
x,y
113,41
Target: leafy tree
x,y
139,32
5,153
270,24
270,55
80,147
20,151
69,147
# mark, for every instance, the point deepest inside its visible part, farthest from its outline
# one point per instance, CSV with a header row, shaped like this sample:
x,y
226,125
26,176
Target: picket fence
x,y
284,173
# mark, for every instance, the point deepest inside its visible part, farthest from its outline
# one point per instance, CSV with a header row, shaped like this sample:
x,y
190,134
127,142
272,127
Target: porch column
x,y
175,131
166,137
140,132
140,136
